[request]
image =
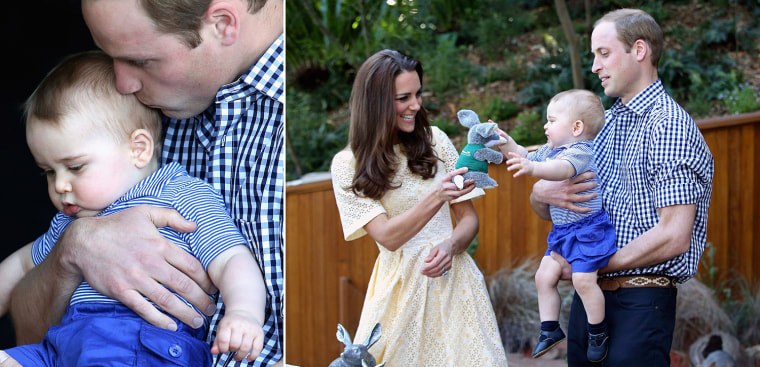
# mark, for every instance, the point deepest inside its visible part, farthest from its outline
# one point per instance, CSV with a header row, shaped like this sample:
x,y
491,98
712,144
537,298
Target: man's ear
x,y
141,145
578,128
224,17
641,48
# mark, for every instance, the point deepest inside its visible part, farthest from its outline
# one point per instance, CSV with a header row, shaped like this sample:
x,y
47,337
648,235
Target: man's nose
x,y
126,81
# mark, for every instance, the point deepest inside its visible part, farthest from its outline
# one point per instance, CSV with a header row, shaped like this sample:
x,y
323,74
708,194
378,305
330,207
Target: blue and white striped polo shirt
x,y
168,187
581,155
650,154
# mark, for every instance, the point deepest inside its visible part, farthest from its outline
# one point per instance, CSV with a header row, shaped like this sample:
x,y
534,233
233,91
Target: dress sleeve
x,y
355,211
448,153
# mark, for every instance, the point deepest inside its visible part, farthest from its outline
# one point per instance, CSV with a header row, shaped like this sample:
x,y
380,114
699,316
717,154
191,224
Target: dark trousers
x,y
640,324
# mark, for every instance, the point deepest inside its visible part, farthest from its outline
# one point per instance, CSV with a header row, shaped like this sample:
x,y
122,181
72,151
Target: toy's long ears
x,y
343,336
374,336
468,118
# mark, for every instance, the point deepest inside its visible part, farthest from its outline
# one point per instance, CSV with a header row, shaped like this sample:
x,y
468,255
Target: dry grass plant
x,y
697,313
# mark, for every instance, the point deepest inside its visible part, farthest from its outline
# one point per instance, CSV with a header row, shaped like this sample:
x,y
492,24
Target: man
x,y
214,68
656,175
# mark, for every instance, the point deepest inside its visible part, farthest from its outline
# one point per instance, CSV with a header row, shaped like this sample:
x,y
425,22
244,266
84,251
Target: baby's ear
x,y
141,145
578,128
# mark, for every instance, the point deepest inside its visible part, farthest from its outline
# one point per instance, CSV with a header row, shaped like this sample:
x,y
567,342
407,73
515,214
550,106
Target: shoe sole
x,y
539,354
603,358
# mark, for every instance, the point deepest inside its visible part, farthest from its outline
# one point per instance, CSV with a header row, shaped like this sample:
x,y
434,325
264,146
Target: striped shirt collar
x,y
151,185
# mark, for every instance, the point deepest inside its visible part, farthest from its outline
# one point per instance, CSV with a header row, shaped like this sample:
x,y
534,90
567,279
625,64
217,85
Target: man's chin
x,y
179,114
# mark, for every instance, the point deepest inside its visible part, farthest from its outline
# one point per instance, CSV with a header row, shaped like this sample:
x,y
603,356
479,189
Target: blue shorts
x,y
586,244
98,334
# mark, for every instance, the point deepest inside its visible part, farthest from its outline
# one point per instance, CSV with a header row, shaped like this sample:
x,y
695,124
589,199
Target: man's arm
x,y
122,256
670,237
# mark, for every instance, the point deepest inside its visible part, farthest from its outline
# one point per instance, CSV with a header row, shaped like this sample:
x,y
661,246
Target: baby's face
x,y
86,170
559,124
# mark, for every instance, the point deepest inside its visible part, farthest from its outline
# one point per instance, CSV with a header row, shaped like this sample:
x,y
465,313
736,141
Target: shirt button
x,y
175,350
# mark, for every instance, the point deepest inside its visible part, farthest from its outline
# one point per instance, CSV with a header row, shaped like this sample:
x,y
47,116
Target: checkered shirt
x,y
236,145
650,154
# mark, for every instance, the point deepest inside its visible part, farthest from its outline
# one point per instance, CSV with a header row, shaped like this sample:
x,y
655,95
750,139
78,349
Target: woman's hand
x,y
438,261
447,190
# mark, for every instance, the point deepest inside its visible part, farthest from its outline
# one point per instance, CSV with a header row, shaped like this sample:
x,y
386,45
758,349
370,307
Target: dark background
x,y
37,36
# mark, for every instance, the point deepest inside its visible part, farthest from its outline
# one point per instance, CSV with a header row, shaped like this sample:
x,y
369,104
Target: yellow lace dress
x,y
444,321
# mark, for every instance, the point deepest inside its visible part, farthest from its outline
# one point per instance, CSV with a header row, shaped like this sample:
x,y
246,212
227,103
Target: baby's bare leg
x,y
547,277
591,295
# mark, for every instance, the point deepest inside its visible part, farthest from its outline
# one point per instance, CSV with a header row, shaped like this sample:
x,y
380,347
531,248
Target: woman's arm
x,y
439,259
392,233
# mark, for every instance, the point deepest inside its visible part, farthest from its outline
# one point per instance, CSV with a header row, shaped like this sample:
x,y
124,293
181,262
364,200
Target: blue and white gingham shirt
x,y
650,154
237,146
169,187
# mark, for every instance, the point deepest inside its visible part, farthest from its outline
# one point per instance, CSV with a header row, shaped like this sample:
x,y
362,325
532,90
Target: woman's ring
x,y
445,272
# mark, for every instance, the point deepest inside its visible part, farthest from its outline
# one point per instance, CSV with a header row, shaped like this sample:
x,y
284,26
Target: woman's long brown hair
x,y
374,130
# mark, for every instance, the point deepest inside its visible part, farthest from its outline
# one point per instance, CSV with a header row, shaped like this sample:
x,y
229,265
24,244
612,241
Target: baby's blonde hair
x,y
586,106
86,83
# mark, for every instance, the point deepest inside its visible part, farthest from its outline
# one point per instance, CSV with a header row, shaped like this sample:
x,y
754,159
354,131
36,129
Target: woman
x,y
393,182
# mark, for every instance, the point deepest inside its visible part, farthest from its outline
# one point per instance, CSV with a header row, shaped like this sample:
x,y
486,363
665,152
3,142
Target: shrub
x,y
499,110
742,99
529,129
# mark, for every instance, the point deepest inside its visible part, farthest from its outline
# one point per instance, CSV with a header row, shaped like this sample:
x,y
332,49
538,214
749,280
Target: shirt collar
x,y
153,184
642,102
264,76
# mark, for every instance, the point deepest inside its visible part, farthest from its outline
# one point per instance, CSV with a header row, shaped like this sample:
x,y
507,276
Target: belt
x,y
636,281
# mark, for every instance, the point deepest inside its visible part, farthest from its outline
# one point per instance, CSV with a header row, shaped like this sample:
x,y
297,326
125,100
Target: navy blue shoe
x,y
597,347
548,340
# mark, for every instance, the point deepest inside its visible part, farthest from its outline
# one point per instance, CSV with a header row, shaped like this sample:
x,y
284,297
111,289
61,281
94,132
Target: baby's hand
x,y
522,165
239,332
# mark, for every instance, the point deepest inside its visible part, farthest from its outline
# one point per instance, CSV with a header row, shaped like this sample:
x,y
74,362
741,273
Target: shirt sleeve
x,y
679,166
215,231
580,156
448,153
42,245
355,211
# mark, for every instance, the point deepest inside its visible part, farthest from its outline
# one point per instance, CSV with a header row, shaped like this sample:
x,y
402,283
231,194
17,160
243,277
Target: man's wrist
x,y
64,252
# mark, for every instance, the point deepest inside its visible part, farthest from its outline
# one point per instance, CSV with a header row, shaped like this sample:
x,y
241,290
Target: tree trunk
x,y
572,40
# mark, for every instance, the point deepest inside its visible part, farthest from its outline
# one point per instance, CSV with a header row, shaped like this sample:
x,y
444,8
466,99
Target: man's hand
x,y
124,257
562,194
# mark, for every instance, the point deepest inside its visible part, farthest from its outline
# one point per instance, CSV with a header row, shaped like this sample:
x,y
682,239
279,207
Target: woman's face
x,y
408,99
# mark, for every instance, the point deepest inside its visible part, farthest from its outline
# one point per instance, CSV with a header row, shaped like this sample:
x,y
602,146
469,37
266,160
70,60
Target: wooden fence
x,y
326,276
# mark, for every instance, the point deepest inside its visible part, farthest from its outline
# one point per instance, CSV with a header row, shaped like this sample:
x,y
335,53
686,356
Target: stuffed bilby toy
x,y
478,153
